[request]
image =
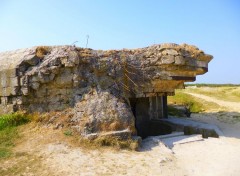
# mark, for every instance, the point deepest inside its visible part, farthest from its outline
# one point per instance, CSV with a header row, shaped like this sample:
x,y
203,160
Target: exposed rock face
x,y
96,84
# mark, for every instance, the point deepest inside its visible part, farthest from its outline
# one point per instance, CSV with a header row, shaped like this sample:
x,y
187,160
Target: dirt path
x,y
231,106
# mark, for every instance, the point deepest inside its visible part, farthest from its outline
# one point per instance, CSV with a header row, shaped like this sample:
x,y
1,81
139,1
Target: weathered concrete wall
x,y
97,84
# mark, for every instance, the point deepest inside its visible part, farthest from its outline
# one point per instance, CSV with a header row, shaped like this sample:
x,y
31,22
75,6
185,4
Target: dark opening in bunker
x,y
148,112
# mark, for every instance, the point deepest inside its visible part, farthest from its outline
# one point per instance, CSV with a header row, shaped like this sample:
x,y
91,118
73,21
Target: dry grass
x,y
194,104
9,131
109,141
41,51
221,93
22,164
111,126
7,141
24,160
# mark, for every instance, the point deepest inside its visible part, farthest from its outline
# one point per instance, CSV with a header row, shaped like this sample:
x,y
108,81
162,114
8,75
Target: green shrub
x,y
68,133
12,120
184,99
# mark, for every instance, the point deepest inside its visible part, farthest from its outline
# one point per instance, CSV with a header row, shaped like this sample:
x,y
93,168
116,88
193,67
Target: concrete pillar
x,y
158,107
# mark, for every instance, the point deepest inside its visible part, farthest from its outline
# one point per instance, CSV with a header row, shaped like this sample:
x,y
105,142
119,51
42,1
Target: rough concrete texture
x,y
96,84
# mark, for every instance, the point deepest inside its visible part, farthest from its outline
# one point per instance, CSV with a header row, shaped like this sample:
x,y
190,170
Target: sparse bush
x,y
12,120
68,133
186,100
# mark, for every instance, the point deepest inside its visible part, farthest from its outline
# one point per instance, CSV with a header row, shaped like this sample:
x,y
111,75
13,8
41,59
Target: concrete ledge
x,y
123,134
192,127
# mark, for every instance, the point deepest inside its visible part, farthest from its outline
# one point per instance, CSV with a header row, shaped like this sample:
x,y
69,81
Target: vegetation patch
x,y
173,111
195,105
68,133
7,138
221,93
186,100
8,131
13,120
110,141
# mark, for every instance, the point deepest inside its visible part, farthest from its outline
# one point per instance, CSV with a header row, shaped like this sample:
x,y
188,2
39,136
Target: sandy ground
x,y
208,157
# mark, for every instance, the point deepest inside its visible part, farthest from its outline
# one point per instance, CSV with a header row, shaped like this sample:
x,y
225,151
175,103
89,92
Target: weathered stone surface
x,y
123,135
170,52
96,84
179,60
6,109
102,112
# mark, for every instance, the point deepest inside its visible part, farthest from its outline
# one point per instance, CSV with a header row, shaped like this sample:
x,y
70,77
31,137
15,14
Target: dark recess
x,y
144,125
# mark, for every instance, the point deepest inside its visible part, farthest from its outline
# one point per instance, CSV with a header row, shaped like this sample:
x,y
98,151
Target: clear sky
x,y
211,25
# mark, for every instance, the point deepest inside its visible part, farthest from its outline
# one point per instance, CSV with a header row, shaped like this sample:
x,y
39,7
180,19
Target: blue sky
x,y
212,25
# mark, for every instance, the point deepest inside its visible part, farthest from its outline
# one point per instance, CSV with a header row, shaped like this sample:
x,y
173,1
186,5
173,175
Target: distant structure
x,y
106,91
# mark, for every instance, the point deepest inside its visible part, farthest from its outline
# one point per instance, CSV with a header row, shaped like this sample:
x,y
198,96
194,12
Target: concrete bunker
x,y
148,112
93,85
